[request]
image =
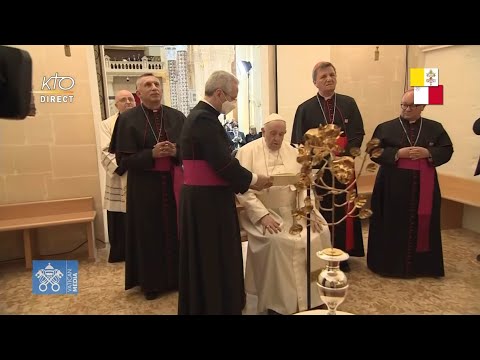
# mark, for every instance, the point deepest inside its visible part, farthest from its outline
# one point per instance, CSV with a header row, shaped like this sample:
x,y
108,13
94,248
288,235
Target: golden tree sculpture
x,y
321,151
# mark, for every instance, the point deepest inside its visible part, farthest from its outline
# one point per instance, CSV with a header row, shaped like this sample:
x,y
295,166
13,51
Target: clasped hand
x,y
413,153
164,148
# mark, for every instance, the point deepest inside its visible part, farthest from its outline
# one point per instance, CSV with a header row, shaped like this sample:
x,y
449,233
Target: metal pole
x,y
308,258
248,94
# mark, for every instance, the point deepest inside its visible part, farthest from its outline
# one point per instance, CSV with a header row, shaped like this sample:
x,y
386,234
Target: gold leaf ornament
x,y
352,195
303,159
360,201
331,131
355,151
365,213
376,153
296,229
343,169
306,209
371,167
297,214
372,144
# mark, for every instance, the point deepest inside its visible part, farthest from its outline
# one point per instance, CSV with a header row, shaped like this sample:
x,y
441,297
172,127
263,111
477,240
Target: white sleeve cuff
x,y
254,179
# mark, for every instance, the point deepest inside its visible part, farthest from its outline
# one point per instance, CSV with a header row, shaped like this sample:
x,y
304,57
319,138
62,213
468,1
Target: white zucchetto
x,y
273,117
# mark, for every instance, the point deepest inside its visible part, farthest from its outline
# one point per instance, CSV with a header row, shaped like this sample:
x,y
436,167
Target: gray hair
x,y
220,80
139,80
322,65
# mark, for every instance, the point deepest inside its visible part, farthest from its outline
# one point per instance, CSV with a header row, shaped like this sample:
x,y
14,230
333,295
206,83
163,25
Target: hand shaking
x,y
263,182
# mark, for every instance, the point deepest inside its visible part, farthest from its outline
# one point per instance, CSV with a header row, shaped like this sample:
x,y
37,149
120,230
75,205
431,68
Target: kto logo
x,y
56,89
55,277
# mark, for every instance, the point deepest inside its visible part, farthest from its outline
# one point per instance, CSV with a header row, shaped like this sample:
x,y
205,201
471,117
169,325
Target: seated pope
x,y
276,270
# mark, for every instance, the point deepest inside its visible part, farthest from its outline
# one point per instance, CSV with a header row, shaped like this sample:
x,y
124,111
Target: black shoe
x,y
272,312
344,266
151,295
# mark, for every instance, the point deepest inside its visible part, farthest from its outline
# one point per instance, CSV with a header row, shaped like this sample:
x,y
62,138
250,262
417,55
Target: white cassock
x,y
276,263
115,198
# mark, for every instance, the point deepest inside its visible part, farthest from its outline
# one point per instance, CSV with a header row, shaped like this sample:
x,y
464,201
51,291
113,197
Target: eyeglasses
x,y
411,106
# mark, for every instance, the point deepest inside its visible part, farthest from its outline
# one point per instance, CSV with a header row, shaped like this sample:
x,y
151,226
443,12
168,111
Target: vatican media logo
x,y
55,277
57,89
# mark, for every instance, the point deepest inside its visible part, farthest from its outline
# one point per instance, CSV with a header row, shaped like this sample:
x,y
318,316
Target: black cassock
x,y
211,265
392,239
151,253
344,112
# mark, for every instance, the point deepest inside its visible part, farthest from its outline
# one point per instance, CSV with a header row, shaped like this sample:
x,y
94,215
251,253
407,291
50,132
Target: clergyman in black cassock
x,y
211,264
404,238
144,141
476,130
328,107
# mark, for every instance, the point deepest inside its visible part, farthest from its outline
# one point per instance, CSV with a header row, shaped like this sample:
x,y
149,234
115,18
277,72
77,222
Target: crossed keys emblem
x,y
430,78
51,276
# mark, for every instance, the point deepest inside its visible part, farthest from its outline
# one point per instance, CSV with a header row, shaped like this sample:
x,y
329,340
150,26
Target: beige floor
x,y
101,288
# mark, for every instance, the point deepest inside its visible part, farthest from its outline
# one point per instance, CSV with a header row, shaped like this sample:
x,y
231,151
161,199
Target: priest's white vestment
x,y
115,198
276,263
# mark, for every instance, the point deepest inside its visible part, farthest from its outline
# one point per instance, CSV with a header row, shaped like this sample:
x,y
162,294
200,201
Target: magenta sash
x,y
425,203
200,173
163,164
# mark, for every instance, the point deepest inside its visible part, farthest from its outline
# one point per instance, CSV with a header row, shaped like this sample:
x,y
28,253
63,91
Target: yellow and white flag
x,y
424,77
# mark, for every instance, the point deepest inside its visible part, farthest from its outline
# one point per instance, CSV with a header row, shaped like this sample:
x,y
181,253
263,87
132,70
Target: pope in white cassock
x,y
276,260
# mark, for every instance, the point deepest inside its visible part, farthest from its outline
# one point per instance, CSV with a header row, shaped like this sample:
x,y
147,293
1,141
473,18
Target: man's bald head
x,y
124,100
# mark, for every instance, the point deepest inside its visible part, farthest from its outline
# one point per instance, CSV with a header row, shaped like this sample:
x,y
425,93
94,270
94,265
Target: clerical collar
x,y
205,101
326,97
152,110
410,122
